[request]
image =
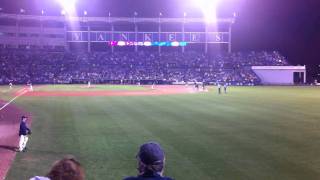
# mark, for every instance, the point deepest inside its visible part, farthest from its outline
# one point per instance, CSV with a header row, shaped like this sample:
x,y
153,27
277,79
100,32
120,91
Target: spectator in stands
x,y
19,66
151,162
66,169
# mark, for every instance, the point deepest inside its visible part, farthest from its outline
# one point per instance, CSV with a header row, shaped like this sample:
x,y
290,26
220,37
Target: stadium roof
x,y
112,19
117,8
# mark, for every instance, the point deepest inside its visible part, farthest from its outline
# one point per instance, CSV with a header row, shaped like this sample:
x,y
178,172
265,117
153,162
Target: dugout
x,y
281,75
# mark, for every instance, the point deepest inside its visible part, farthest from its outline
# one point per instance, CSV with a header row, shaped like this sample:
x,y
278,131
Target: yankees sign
x,y
107,36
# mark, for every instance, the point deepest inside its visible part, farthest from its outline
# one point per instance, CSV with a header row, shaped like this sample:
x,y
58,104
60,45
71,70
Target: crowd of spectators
x,y
20,67
150,160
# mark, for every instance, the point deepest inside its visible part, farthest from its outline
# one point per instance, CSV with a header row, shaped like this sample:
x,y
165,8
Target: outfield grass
x,y
251,133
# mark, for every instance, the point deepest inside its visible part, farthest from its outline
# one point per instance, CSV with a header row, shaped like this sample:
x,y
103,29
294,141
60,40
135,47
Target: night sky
x,y
289,26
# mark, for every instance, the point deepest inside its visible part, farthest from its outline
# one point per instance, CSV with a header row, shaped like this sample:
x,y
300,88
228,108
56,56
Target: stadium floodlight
x,y
63,12
69,6
208,8
22,11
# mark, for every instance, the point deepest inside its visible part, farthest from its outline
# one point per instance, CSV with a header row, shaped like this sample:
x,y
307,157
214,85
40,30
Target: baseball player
x,y
219,88
31,88
153,84
24,131
10,85
225,88
29,84
196,86
203,86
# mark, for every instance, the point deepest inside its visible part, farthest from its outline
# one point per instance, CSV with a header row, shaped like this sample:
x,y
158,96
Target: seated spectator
x,y
66,169
151,161
20,66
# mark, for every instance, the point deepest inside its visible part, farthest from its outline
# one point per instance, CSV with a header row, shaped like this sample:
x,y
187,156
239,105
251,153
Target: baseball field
x,y
250,133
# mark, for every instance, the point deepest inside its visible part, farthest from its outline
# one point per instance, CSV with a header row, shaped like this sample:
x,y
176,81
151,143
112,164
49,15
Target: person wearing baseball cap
x,y
24,131
151,161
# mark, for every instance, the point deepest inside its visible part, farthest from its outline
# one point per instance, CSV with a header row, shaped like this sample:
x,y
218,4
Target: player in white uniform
x,y
225,88
30,87
153,84
219,88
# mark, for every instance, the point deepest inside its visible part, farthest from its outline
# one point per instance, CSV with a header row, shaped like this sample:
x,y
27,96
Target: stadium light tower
x,y
22,11
69,6
63,12
208,8
109,14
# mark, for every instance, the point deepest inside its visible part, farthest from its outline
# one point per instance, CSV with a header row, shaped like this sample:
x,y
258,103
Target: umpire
x,y
24,131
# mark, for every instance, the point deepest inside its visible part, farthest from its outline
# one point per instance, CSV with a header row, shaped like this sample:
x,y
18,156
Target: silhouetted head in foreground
x,y
151,158
151,161
66,169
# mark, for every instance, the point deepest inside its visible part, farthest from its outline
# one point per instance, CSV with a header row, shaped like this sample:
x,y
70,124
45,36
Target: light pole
x,y
159,33
135,31
230,32
63,12
22,11
41,29
183,35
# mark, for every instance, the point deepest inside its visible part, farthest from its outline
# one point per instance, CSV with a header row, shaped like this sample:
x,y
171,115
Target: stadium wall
x,y
279,75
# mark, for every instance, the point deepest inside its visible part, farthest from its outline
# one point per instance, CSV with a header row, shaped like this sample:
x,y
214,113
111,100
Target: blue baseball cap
x,y
151,153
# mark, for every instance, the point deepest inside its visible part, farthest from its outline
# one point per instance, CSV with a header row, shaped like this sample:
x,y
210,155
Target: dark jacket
x,y
24,130
148,176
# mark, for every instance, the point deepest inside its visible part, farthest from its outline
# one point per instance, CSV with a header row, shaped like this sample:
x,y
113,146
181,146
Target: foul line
x,y
23,91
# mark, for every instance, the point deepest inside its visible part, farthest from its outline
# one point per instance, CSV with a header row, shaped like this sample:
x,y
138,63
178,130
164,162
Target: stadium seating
x,y
38,67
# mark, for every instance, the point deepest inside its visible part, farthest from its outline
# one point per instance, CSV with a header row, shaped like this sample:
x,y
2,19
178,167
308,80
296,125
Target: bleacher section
x,y
38,67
